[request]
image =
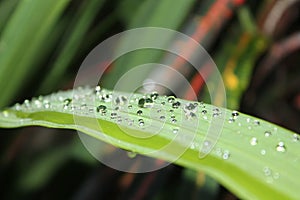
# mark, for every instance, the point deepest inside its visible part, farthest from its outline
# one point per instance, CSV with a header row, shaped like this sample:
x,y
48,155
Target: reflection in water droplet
x,y
141,122
253,141
226,155
131,154
204,112
154,95
176,105
268,133
139,112
145,103
162,117
97,89
101,109
256,122
263,152
67,102
171,99
173,121
280,147
235,114
129,106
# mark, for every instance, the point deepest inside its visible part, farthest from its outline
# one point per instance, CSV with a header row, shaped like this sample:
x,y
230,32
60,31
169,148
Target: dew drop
x,y
253,141
97,89
131,154
216,112
173,121
46,104
268,133
113,114
190,107
175,130
5,113
27,103
176,105
226,155
121,100
235,114
295,137
139,112
276,175
101,109
256,122
162,117
171,99
145,103
267,171
190,115
130,106
231,120
106,97
204,112
263,152
141,122
67,102
154,95
280,147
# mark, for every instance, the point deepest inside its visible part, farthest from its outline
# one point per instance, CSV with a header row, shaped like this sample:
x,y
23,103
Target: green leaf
x,y
253,158
164,13
23,37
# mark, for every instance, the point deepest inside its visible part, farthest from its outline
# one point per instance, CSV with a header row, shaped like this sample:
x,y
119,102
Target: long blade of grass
x,y
22,40
253,158
74,36
166,14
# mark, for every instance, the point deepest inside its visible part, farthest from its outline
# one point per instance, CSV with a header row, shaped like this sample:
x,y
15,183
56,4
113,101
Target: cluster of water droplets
x,y
138,110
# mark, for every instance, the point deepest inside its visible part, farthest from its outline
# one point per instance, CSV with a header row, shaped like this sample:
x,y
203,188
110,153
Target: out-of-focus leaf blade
x,y
22,40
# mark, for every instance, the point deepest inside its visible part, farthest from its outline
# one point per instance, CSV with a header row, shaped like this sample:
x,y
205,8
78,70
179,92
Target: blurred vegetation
x,y
255,45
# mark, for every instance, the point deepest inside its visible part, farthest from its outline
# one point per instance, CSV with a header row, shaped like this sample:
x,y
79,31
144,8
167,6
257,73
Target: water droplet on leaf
x,y
145,103
101,109
154,95
139,112
295,137
121,100
171,99
280,147
253,141
141,122
131,154
176,105
268,133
